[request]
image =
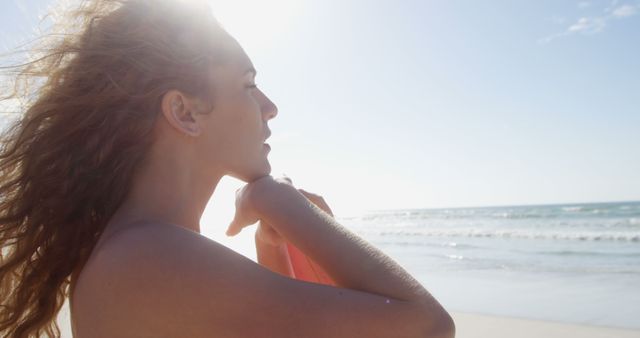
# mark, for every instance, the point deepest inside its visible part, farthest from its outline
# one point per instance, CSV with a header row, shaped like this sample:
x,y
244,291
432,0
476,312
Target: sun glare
x,y
256,24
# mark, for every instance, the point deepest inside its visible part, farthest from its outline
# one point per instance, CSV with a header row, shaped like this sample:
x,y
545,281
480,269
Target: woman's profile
x,y
132,112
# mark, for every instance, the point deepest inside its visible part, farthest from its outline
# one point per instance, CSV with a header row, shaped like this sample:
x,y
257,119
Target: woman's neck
x,y
171,189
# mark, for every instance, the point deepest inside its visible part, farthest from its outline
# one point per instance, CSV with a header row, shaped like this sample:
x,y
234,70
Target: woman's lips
x,y
267,146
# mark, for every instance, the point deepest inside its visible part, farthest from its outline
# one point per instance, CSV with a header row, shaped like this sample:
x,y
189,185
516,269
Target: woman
x,y
131,118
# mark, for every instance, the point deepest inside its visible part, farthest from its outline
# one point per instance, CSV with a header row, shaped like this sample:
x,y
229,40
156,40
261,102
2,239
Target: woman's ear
x,y
179,111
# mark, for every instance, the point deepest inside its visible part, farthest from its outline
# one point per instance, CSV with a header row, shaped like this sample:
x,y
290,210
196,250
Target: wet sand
x,y
483,326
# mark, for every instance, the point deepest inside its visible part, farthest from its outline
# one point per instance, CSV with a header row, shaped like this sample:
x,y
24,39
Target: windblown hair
x,y
90,95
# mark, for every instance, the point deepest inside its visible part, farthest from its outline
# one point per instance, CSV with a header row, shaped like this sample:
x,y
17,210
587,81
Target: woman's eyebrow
x,y
251,70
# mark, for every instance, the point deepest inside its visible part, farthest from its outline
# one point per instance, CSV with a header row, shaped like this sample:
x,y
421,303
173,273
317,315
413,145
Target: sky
x,y
398,104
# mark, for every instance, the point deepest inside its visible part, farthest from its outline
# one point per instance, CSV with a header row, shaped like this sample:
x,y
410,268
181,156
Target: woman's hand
x,y
246,214
269,235
317,200
249,197
266,233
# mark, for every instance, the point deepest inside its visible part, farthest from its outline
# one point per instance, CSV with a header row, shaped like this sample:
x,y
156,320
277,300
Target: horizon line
x,y
508,206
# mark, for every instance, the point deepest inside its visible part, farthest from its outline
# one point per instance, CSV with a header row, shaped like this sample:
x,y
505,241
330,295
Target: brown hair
x,y
91,94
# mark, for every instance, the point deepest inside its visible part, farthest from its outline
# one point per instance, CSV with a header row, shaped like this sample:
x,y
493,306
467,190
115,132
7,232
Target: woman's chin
x,y
261,170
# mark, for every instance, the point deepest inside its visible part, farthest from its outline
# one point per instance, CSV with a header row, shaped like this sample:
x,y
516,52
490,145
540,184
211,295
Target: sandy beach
x,y
482,326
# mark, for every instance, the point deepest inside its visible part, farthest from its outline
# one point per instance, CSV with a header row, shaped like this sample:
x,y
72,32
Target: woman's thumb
x,y
234,228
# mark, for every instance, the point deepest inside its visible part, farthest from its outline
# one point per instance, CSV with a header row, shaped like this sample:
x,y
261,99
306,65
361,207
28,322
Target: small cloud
x,y
593,25
588,25
625,11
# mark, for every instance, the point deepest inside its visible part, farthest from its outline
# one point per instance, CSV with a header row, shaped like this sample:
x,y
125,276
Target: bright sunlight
x,y
255,23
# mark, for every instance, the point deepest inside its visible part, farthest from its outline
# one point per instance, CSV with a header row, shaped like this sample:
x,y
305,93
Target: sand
x,y
482,326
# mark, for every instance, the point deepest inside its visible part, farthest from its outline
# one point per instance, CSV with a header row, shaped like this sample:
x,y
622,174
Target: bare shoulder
x,y
139,280
166,281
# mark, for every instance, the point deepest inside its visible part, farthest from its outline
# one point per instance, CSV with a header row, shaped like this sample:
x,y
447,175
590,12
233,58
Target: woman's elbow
x,y
442,326
447,326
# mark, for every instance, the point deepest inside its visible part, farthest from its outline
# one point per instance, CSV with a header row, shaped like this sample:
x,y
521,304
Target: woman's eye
x,y
252,86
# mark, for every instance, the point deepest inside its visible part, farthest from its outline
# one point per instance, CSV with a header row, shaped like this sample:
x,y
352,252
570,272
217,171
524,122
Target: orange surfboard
x,y
304,268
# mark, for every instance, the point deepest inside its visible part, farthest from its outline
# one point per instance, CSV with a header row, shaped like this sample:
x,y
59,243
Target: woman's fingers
x,y
285,177
317,200
245,215
239,222
234,228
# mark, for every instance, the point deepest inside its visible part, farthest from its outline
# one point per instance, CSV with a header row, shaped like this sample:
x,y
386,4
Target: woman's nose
x,y
269,109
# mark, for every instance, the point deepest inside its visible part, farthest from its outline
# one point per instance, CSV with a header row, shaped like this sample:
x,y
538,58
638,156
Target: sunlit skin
x,y
152,275
196,146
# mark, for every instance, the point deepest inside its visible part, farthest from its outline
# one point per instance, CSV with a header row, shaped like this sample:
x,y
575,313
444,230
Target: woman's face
x,y
236,129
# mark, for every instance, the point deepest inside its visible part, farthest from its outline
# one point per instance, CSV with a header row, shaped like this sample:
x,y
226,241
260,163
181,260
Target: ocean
x,y
575,263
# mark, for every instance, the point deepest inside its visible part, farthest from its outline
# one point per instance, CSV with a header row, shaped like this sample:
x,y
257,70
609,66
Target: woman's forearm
x,y
351,261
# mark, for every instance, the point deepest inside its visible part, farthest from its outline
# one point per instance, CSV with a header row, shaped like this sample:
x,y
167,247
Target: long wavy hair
x,y
89,94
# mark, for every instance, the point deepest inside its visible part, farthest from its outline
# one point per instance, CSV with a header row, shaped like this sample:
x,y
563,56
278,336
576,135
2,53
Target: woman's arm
x,y
271,248
202,286
350,260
